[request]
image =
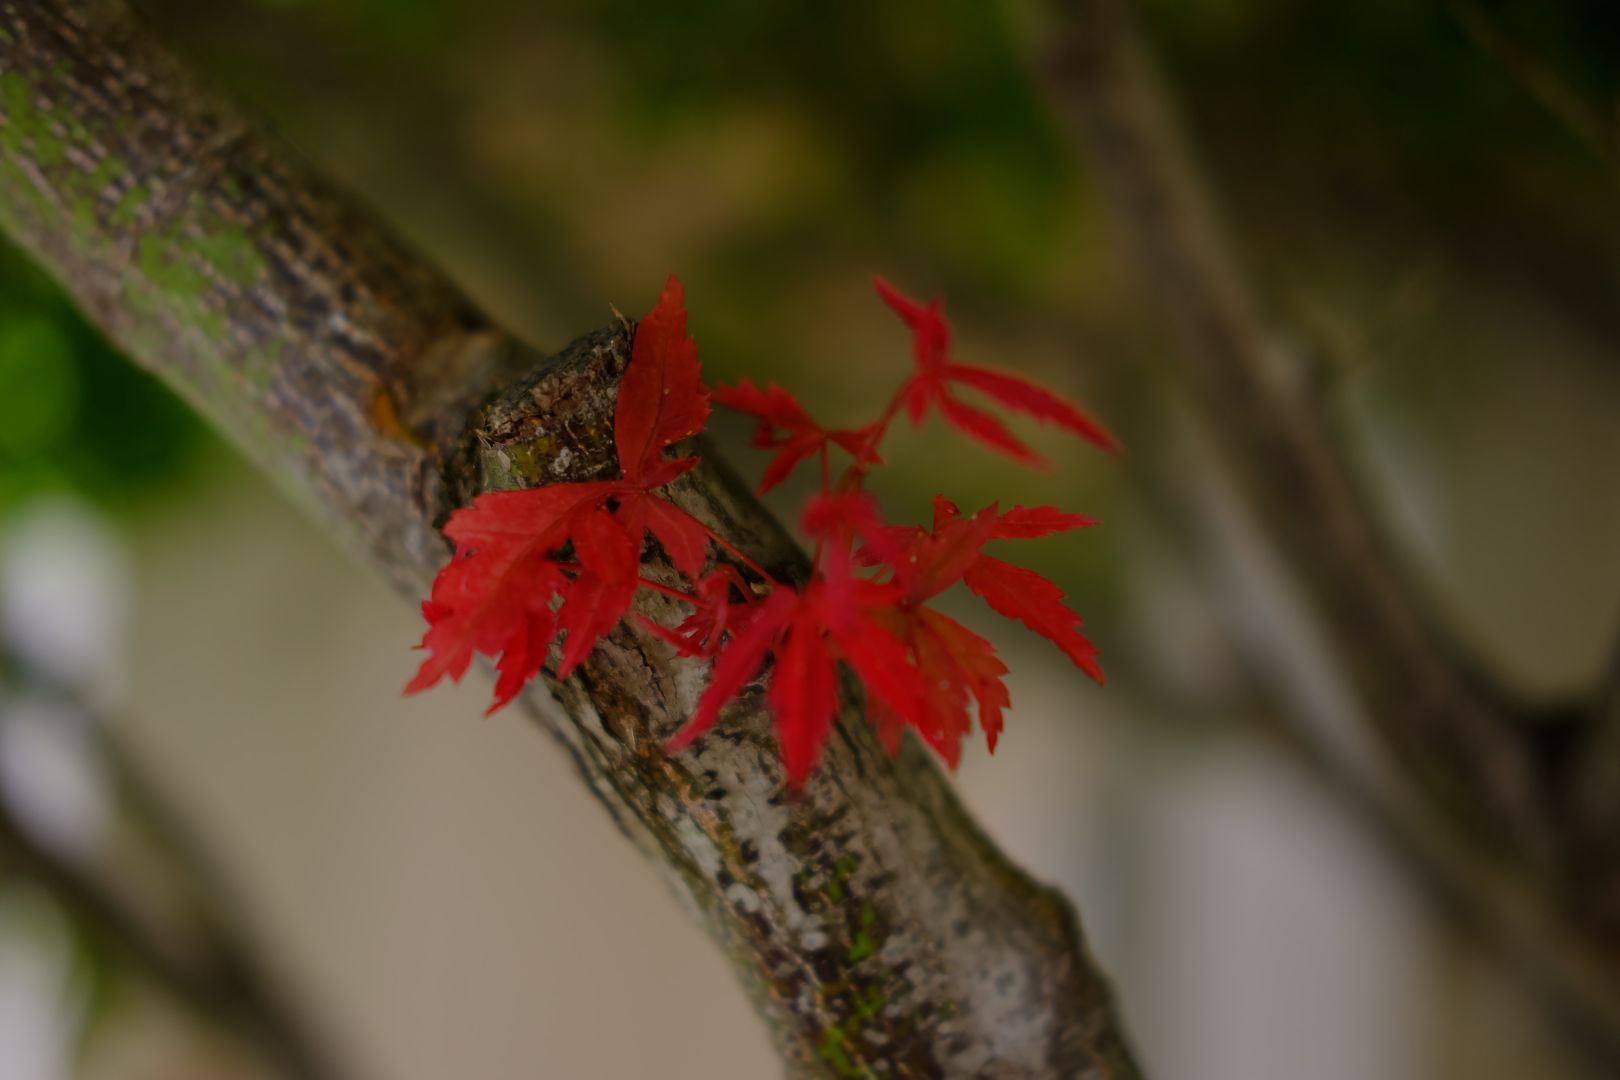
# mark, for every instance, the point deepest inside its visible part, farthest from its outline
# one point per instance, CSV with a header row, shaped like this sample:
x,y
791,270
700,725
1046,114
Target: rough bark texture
x,y
878,930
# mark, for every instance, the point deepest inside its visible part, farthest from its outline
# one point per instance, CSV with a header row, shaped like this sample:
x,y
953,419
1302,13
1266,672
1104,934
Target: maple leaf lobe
x,y
662,399
937,373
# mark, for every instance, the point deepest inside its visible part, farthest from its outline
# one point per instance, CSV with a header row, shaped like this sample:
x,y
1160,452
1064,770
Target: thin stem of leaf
x,y
669,591
737,553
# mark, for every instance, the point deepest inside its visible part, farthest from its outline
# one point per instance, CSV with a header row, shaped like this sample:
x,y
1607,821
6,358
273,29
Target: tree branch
x,y
157,906
1429,706
1498,767
1582,116
877,928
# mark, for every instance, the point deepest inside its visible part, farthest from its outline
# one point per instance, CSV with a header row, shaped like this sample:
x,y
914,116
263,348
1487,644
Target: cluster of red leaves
x,y
565,559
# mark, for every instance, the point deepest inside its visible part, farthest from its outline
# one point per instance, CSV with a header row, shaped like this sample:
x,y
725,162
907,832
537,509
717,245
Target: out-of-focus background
x,y
439,889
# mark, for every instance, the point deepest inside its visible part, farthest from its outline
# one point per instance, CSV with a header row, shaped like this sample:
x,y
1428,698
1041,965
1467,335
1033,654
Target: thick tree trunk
x,y
878,930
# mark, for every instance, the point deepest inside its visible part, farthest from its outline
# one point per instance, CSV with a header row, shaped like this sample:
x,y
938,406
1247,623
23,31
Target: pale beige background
x,y
454,904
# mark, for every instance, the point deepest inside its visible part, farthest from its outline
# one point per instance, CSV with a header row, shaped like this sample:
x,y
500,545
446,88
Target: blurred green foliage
x,y
74,414
1396,187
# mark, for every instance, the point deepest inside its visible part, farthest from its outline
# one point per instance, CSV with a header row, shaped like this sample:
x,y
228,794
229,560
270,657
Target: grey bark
x,y
878,931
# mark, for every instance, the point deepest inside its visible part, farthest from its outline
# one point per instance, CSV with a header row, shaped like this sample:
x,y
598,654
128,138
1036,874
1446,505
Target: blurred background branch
x,y
138,880
1253,395
1590,118
1501,768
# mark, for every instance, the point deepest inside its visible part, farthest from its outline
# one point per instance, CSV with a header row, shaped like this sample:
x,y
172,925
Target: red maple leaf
x,y
500,594
609,568
662,399
937,374
495,596
565,559
1034,601
699,634
684,539
921,669
785,426
1022,594
836,617
957,665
